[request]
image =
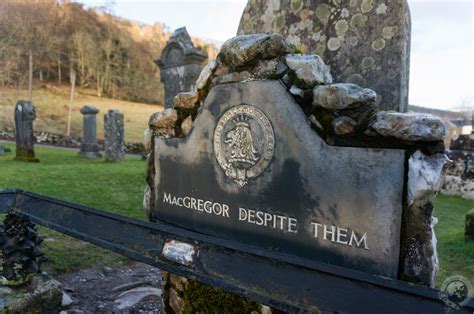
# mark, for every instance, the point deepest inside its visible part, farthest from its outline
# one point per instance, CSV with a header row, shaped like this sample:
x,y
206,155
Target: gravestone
x,y
24,115
365,42
279,157
2,150
180,65
114,135
89,146
469,229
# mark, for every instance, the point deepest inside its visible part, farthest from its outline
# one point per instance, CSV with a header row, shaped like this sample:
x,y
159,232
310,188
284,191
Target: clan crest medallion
x,y
243,143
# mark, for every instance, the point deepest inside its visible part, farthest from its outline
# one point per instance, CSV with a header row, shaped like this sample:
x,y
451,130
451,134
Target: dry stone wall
x,y
365,42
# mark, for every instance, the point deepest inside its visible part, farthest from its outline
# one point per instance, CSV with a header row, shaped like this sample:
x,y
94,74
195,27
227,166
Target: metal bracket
x,y
280,281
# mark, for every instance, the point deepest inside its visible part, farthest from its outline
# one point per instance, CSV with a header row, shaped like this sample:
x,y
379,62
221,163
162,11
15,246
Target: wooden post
x,y
30,76
73,85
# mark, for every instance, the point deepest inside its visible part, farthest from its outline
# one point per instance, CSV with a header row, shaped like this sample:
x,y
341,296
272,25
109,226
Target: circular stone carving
x,y
243,143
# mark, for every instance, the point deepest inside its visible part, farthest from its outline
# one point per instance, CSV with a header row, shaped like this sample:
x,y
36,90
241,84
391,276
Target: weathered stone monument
x,y
271,153
89,147
365,42
469,230
114,136
2,150
24,115
180,65
459,179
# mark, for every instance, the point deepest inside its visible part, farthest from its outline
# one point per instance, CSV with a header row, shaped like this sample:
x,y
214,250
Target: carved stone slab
x,y
252,170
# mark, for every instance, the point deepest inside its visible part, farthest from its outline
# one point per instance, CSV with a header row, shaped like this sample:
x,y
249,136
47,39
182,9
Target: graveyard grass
x,y
118,188
115,187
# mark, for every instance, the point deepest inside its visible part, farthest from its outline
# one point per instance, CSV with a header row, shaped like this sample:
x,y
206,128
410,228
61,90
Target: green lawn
x,y
115,187
118,187
456,257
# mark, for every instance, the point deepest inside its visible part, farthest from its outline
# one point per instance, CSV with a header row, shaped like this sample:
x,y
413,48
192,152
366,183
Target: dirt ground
x,y
108,290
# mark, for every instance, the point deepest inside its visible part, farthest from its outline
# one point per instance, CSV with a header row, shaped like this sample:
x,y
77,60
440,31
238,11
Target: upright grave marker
x,y
180,65
24,115
89,147
278,156
114,135
365,42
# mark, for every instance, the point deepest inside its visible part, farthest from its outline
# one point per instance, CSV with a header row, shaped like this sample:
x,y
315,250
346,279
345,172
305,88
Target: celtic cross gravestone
x,y
180,64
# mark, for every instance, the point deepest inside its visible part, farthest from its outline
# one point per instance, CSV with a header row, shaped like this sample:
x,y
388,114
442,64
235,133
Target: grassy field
x,y
456,257
52,109
118,187
115,187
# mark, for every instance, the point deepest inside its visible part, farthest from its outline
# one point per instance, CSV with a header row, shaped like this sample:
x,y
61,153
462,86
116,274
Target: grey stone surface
x,y
425,176
352,188
131,297
469,229
164,119
363,41
66,300
342,96
180,65
418,250
147,135
187,125
24,115
89,147
296,91
185,100
205,75
243,50
409,126
2,150
114,136
42,295
308,69
232,77
344,125
273,68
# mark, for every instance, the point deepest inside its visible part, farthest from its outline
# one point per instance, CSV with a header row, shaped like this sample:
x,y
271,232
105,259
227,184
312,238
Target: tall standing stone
x,y
89,146
114,135
180,65
24,115
365,42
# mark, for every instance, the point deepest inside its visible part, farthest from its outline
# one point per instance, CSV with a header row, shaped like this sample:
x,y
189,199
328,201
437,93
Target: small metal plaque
x,y
179,252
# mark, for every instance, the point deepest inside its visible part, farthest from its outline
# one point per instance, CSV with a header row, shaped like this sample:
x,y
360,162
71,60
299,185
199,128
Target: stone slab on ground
x,y
42,295
98,289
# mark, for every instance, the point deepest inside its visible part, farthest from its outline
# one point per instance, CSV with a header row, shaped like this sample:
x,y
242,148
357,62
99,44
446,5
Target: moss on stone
x,y
207,299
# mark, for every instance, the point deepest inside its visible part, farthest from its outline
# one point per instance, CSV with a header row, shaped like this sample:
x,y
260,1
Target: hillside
x,y
61,39
51,105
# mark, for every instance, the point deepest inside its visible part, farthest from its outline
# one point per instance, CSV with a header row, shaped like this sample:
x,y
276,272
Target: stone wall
x,y
364,42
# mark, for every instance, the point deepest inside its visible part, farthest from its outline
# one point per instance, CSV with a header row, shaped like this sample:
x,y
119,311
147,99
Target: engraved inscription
x,y
243,143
